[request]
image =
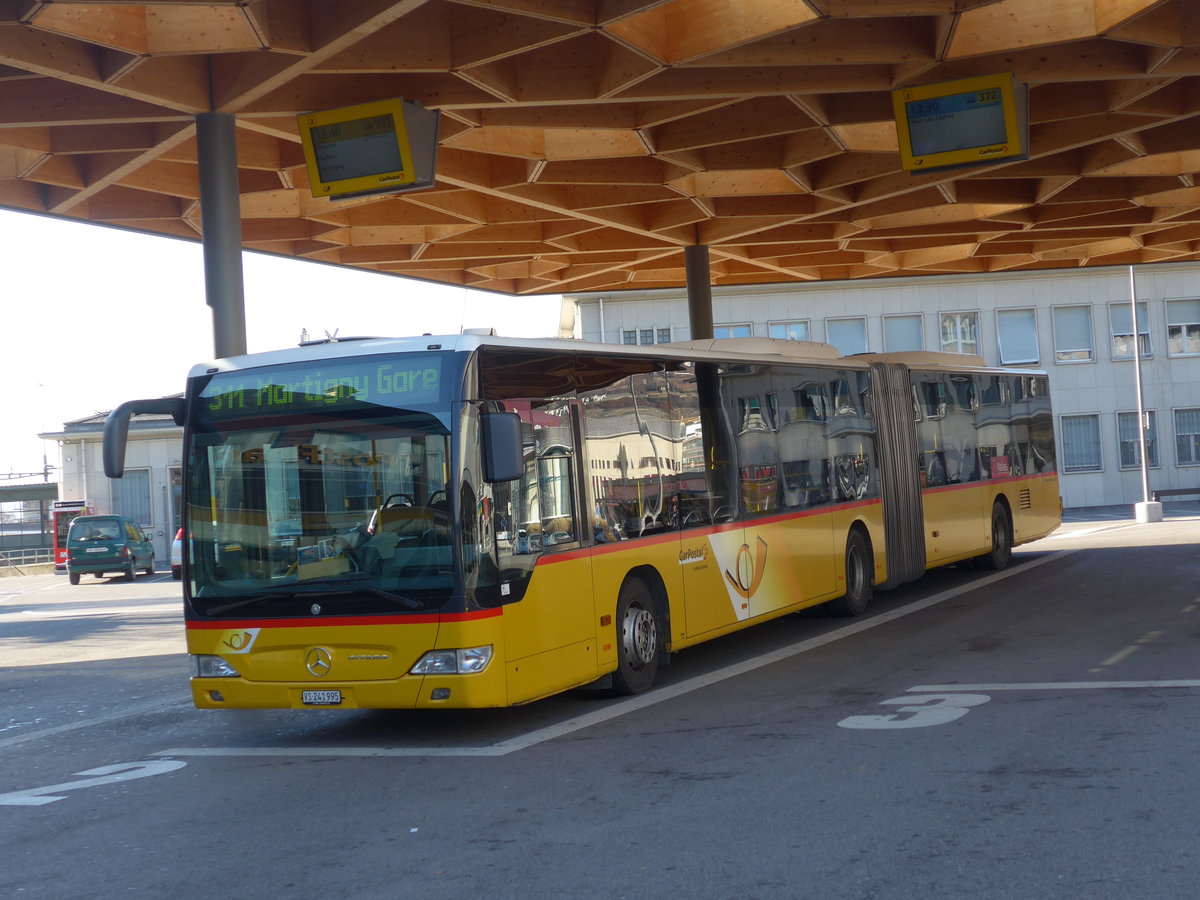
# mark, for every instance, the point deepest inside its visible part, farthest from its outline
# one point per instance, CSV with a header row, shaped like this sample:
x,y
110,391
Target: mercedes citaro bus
x,y
475,521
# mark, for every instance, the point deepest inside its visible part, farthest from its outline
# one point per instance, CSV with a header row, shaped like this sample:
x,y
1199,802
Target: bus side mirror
x,y
502,459
116,428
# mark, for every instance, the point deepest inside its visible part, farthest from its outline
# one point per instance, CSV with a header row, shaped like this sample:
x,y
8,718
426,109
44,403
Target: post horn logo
x,y
749,572
318,661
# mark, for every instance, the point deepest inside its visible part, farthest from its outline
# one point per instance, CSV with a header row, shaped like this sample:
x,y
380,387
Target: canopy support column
x,y
699,290
221,231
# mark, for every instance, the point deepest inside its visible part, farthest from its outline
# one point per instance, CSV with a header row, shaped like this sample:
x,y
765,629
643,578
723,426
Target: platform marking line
x,y
1054,686
633,704
94,720
1126,652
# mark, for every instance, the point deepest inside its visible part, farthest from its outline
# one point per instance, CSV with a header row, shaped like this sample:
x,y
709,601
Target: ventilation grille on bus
x,y
1024,500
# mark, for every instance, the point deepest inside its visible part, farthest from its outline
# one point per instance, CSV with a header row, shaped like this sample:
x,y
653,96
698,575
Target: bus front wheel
x,y
859,567
73,577
1002,542
637,639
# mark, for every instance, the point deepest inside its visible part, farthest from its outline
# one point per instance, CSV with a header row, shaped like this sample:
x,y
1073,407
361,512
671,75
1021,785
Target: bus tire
x,y
1002,542
73,577
638,640
859,566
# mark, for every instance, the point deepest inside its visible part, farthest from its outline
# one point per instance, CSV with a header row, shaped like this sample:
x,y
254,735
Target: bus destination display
x,y
327,386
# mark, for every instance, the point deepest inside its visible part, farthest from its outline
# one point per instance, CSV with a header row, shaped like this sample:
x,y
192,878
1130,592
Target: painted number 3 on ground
x,y
919,711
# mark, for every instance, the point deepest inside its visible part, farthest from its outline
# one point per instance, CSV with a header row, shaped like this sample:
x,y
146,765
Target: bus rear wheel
x,y
73,577
859,566
638,641
1002,541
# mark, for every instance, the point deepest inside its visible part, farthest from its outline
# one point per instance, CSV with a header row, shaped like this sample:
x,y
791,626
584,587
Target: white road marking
x,y
633,704
924,710
94,720
1055,686
1126,652
102,775
83,613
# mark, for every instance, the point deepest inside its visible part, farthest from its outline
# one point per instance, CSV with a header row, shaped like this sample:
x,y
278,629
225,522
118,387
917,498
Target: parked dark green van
x,y
107,545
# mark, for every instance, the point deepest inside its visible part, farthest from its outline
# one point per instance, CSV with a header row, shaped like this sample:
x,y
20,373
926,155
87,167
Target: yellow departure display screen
x,y
357,148
955,122
970,121
325,386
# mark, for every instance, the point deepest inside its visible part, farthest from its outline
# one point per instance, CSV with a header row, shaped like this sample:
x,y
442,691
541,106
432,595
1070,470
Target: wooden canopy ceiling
x,y
585,142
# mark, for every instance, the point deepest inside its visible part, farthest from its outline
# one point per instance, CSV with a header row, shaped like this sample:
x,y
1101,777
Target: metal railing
x,y
27,557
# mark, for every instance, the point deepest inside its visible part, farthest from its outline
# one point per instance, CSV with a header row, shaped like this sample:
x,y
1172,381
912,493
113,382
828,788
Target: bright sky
x,y
93,316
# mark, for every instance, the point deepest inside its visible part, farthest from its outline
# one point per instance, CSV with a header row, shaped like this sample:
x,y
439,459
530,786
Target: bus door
x,y
806,425
712,537
947,454
549,619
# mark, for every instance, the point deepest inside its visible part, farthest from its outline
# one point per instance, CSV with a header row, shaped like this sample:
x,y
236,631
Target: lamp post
x,y
1148,510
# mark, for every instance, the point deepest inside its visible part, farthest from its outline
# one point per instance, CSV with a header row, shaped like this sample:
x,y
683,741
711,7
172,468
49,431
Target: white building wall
x,y
82,477
1102,386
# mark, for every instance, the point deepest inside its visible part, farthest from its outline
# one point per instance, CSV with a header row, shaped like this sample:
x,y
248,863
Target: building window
x,y
1120,318
664,335
731,331
1081,443
1016,331
902,333
848,335
789,331
1183,327
1129,438
1187,437
960,333
1073,334
646,336
629,336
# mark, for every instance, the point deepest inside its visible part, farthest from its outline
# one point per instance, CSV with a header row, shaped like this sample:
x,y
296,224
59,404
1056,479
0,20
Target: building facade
x,y
1075,324
150,492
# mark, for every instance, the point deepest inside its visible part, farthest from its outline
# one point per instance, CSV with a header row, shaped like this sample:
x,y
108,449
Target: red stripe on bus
x,y
346,621
692,533
991,482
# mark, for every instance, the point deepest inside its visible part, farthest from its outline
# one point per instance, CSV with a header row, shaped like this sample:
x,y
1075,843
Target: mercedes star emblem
x,y
318,661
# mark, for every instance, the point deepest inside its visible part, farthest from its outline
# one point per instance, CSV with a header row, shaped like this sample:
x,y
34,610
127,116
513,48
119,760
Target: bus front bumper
x,y
410,692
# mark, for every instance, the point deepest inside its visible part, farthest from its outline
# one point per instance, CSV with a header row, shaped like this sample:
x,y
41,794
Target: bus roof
x,y
763,351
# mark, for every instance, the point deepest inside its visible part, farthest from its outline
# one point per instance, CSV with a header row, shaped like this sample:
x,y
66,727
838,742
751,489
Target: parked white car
x,y
177,555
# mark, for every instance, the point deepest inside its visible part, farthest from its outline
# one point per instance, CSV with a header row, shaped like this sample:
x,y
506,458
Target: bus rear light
x,y
453,662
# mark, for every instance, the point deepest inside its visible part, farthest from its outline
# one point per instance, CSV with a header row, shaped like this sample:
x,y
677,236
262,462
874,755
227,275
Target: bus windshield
x,y
318,492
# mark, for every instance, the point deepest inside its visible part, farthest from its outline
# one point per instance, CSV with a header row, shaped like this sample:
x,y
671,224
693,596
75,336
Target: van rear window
x,y
95,530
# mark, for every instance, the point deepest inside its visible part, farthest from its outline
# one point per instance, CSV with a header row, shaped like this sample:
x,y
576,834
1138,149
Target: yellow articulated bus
x,y
474,521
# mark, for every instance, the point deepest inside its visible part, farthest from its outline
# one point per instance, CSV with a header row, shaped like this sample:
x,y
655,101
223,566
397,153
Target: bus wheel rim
x,y
640,636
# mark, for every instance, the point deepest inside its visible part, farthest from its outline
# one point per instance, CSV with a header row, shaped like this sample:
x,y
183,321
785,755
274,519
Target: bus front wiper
x,y
399,599
250,601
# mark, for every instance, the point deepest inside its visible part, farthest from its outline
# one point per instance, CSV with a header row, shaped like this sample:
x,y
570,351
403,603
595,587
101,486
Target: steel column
x,y
699,290
221,231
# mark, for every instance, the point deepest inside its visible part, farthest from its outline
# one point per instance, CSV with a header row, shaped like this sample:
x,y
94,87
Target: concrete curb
x,y
31,569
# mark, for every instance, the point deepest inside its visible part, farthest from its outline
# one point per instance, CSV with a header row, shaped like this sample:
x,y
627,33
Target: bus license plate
x,y
321,698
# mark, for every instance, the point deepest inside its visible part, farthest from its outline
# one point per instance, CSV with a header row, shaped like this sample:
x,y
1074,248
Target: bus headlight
x,y
206,666
453,662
